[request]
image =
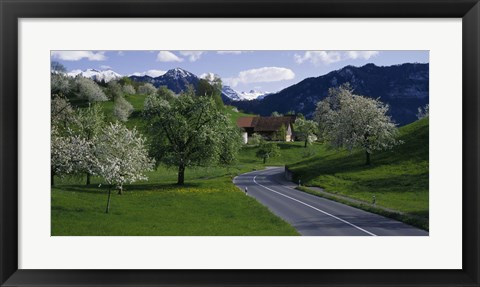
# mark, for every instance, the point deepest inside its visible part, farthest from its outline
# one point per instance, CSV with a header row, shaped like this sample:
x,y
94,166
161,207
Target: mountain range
x,y
104,75
176,80
403,87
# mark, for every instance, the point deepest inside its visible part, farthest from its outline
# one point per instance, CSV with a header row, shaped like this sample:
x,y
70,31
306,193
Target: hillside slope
x,y
398,178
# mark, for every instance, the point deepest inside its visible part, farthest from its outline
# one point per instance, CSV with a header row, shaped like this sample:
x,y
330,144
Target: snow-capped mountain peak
x,y
230,93
106,75
178,73
243,96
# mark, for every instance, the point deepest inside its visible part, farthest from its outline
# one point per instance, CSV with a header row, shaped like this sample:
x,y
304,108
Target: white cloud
x,y
318,57
166,56
229,52
121,53
105,67
329,57
361,54
151,73
192,55
78,55
209,76
261,75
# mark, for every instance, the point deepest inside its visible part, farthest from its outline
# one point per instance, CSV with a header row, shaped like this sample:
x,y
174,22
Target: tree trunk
x,y
368,158
52,178
88,178
120,190
306,142
264,160
181,174
108,200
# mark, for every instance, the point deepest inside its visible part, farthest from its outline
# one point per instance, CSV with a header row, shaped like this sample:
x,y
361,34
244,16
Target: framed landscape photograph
x,y
228,143
180,150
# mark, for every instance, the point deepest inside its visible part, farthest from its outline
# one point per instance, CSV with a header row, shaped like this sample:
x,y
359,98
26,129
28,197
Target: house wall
x,y
245,137
288,136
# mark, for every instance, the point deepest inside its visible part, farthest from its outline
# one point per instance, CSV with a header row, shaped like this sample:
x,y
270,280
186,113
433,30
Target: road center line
x,y
312,207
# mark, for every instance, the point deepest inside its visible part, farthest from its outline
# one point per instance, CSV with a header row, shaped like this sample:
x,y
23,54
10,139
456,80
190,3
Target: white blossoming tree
x,y
89,124
61,112
353,121
306,129
89,90
122,157
122,109
70,153
59,84
423,112
128,89
147,89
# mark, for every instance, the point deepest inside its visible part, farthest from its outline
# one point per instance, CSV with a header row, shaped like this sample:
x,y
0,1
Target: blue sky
x,y
267,71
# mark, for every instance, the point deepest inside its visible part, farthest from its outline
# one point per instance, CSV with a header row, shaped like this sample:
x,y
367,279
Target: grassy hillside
x,y
398,178
234,115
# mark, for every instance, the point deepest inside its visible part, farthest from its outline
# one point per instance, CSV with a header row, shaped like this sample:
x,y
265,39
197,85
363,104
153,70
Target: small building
x,y
268,127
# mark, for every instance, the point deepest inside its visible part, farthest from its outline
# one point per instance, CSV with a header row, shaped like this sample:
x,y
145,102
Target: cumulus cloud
x,y
209,76
261,75
167,56
317,57
105,67
78,55
121,53
192,55
151,73
361,54
329,57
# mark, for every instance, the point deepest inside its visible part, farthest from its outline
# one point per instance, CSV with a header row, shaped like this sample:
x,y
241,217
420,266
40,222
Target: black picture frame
x,y
11,11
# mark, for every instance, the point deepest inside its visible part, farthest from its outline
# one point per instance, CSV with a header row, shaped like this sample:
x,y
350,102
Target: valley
x,y
180,190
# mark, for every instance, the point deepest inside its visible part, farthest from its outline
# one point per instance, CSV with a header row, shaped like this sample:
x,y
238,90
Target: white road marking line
x,y
319,210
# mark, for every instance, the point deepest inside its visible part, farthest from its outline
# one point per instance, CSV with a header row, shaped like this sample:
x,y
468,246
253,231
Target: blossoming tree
x,y
353,121
122,157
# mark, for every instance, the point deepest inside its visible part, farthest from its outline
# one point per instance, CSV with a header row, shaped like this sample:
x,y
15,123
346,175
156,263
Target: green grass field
x,y
398,178
209,203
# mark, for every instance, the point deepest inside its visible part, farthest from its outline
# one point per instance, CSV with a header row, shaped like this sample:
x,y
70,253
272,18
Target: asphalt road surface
x,y
316,216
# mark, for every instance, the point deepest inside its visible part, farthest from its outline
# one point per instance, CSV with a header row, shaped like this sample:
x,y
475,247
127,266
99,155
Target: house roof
x,y
265,124
246,122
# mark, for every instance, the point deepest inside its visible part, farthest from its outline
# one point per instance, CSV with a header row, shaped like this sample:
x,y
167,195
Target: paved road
x,y
313,215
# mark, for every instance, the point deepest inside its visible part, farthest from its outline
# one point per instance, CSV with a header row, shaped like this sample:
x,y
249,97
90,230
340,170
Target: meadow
x,y
209,203
397,178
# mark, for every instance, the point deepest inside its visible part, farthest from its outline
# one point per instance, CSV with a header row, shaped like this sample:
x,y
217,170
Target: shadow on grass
x,y
355,162
420,213
95,189
399,183
285,146
65,209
